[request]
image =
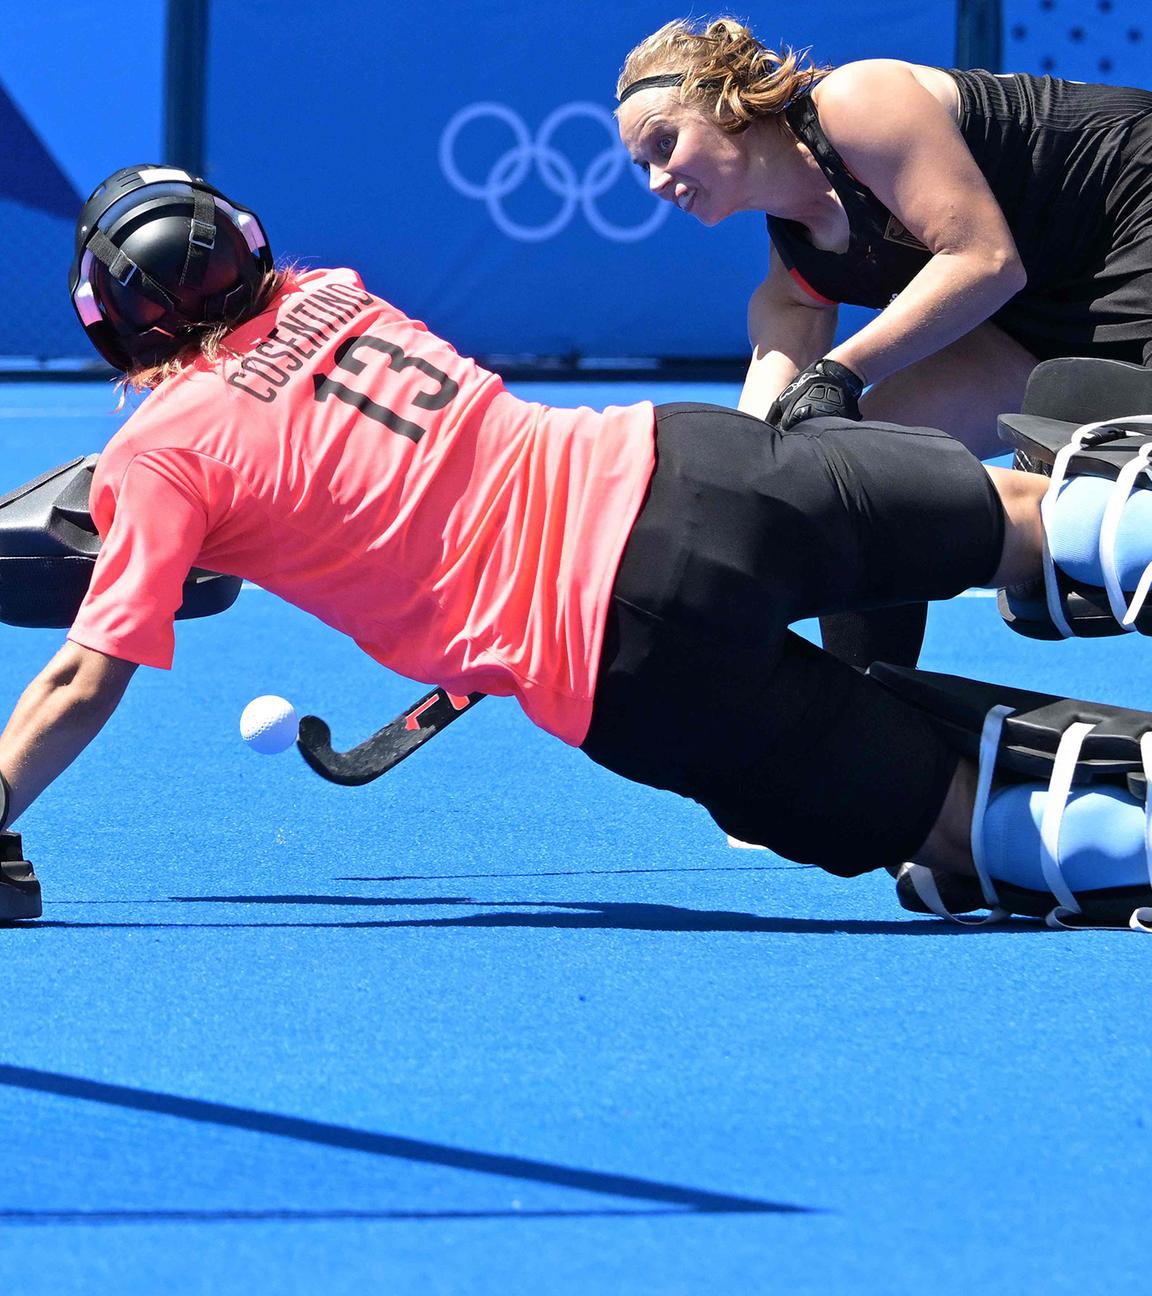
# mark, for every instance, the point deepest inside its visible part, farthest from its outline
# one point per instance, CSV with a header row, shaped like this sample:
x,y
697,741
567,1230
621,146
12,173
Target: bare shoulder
x,y
862,77
877,90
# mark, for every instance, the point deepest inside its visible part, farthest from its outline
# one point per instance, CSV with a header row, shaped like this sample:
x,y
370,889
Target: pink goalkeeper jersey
x,y
353,463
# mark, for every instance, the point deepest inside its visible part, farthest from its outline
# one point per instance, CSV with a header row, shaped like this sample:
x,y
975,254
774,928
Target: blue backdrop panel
x,y
1083,40
463,156
78,98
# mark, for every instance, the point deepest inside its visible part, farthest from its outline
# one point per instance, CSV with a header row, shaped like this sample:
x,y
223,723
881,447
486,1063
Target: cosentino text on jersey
x,y
298,333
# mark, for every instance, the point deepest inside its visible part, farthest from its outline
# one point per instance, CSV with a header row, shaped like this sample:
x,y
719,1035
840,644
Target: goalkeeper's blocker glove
x,y
826,389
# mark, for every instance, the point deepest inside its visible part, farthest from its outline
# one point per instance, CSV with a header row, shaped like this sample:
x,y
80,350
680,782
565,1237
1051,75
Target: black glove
x,y
825,389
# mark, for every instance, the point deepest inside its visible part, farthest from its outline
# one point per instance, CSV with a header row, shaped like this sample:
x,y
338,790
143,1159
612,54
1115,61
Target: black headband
x,y
651,83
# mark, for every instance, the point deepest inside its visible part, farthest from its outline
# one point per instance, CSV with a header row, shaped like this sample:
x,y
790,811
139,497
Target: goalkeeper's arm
x,y
57,716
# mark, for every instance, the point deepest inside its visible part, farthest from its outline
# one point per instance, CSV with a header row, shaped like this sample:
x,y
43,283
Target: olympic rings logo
x,y
554,170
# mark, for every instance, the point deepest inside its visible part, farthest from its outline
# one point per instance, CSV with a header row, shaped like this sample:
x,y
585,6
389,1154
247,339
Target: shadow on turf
x,y
329,1216
576,915
539,873
674,1197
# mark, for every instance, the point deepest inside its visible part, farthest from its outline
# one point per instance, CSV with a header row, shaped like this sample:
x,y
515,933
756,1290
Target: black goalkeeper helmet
x,y
160,252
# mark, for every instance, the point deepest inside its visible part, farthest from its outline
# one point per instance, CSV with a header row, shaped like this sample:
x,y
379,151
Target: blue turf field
x,y
501,1023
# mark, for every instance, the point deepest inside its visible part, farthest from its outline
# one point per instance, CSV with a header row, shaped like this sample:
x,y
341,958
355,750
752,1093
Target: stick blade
x,y
387,747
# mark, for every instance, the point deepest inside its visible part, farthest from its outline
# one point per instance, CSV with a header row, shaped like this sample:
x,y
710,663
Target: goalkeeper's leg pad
x,y
1098,552
1061,825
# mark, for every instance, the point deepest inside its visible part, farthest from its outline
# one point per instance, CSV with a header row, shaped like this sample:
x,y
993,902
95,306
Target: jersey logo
x,y
895,232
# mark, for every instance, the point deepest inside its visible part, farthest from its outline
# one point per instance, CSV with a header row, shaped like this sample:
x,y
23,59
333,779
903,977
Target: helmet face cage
x,y
159,252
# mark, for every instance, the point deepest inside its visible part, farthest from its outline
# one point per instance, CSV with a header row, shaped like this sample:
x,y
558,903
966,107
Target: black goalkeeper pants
x,y
703,689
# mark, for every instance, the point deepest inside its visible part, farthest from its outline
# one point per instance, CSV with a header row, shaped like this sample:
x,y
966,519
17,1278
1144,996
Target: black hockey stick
x,y
388,746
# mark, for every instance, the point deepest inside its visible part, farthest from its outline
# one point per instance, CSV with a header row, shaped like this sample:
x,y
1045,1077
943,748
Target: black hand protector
x,y
826,389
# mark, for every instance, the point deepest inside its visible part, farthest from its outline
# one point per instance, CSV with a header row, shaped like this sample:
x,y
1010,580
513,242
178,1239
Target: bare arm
x,y
901,142
57,716
788,329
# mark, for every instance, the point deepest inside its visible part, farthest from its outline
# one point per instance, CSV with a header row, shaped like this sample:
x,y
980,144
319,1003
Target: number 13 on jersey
x,y
438,393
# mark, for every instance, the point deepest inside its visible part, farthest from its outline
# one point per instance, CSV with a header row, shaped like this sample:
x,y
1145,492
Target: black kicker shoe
x,y
959,894
19,886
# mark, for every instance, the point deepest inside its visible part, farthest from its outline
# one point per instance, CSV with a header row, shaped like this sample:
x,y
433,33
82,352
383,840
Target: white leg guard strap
x,y
923,880
1114,455
1106,569
1141,919
1124,612
1055,845
1062,815
1074,845
1055,804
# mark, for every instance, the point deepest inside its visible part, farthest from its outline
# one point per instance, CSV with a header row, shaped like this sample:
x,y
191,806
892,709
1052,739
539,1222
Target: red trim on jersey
x,y
799,278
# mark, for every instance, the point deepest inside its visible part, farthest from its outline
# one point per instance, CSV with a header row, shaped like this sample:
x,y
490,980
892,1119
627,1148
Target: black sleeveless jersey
x,y
1071,167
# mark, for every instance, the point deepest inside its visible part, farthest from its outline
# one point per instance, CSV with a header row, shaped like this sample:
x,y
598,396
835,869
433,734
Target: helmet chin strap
x,y
125,271
201,239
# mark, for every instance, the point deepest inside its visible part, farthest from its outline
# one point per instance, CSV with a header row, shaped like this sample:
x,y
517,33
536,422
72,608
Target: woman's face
x,y
690,161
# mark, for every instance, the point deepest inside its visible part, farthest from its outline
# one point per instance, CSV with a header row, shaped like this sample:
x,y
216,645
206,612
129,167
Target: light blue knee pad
x,y
1100,842
1061,825
1076,523
1097,526
1097,520
1061,842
